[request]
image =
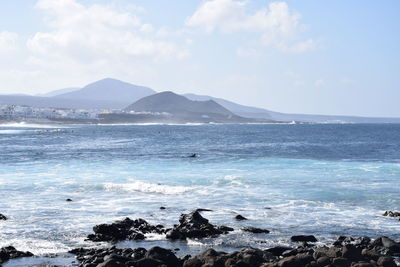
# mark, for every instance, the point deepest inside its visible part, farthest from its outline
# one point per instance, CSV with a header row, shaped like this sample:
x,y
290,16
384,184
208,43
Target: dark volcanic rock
x,y
3,217
303,238
138,257
124,229
278,251
255,230
193,225
8,253
390,213
347,255
240,218
246,258
163,255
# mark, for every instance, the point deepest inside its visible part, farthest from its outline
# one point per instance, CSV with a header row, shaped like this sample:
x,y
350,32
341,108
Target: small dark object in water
x,y
200,210
162,208
68,200
255,230
3,217
240,218
193,156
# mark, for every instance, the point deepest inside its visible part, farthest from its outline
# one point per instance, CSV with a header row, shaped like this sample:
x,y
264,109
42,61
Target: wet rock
x,y
296,261
246,258
3,217
385,246
8,253
394,214
386,262
193,225
341,262
303,238
277,251
255,230
126,229
362,242
362,264
323,261
351,252
163,255
240,218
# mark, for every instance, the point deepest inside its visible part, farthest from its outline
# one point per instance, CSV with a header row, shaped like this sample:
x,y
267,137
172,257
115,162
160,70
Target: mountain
x,y
59,92
104,94
109,90
177,108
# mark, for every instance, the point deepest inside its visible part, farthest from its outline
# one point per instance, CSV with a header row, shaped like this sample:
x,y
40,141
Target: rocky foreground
x,y
347,251
344,252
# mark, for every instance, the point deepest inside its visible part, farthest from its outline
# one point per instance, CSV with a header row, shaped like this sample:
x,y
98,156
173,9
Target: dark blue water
x,y
325,180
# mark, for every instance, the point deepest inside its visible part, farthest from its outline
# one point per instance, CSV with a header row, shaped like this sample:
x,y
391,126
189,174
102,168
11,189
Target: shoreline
x,y
345,251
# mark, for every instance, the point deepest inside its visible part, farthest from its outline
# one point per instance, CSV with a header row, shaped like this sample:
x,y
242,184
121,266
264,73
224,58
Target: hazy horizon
x,y
335,58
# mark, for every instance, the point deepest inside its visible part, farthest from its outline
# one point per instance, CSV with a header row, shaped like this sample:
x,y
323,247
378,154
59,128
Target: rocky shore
x,y
344,252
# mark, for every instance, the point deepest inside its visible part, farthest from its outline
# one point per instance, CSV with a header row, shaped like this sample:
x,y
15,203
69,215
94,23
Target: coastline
x,y
305,250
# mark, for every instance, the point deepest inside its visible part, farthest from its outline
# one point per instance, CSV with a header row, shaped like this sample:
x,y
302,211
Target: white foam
x,y
151,124
32,125
139,186
12,131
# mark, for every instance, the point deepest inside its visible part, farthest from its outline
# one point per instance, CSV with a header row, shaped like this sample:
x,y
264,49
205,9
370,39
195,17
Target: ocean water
x,y
322,179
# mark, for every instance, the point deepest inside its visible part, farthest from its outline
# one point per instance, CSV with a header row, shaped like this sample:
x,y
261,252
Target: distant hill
x,y
59,92
37,101
109,90
259,113
183,109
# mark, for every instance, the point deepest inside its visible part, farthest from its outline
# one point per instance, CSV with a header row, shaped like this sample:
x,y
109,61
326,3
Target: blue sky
x,y
318,57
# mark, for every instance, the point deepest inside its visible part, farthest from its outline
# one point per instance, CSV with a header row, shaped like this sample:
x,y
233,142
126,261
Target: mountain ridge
x,y
97,95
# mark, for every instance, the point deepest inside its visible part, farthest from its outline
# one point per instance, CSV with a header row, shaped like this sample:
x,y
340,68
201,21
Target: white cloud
x,y
8,41
276,25
89,33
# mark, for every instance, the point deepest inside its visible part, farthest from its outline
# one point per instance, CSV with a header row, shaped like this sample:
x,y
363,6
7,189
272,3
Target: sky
x,y
332,57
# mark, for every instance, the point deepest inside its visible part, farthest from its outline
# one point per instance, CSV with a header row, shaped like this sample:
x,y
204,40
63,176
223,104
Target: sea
x,y
325,180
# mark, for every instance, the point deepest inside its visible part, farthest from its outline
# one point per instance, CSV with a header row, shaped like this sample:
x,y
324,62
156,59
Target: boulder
x,y
8,253
303,238
193,225
126,229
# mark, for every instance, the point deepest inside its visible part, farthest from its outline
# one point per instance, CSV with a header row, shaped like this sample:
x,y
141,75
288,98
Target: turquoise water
x,y
326,180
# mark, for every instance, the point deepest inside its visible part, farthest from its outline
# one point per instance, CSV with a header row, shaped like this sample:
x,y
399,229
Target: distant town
x,y
27,113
